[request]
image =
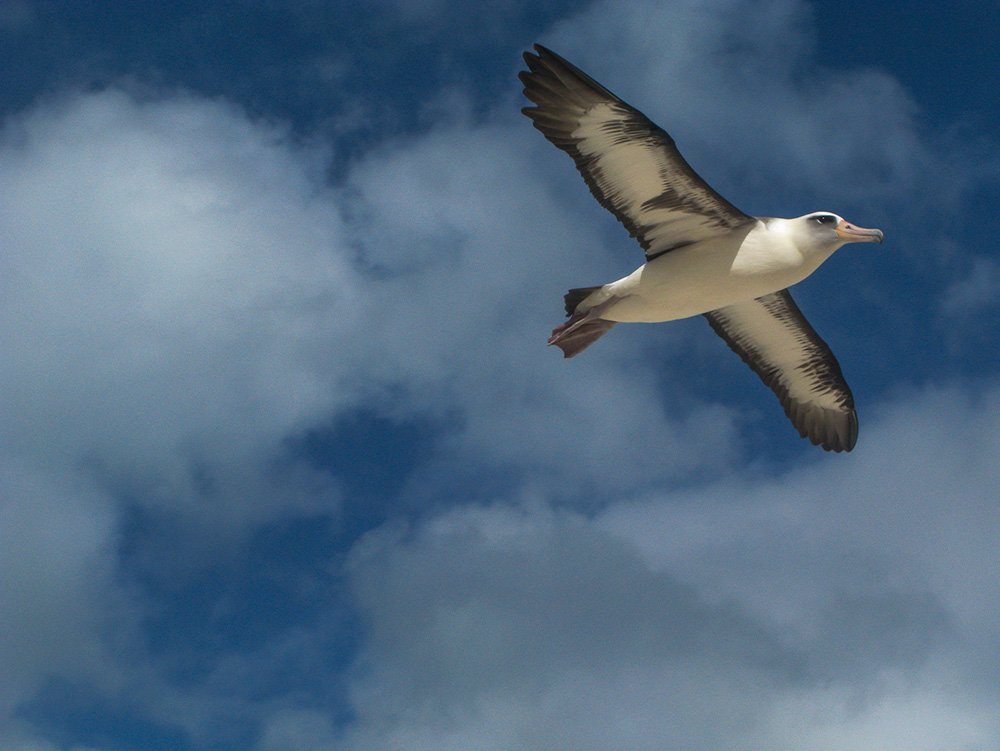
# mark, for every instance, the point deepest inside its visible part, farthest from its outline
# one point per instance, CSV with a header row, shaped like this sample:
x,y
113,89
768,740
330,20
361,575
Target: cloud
x,y
567,554
911,511
520,625
57,540
975,291
742,72
175,243
292,730
185,295
177,289
185,298
455,230
179,301
832,606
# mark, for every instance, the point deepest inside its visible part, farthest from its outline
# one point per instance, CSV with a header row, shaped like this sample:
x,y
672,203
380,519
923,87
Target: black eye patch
x,y
825,219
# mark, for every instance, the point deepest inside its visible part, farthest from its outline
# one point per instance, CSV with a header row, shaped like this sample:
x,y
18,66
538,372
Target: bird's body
x,y
703,255
708,275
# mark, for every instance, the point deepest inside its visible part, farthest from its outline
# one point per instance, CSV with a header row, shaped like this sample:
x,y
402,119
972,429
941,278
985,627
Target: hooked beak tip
x,y
850,233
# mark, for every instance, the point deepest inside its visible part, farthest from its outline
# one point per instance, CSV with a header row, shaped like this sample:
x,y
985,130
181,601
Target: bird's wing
x,y
630,164
775,340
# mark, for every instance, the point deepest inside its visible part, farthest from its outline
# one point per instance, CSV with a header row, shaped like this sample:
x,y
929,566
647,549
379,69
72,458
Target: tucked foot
x,y
563,328
578,333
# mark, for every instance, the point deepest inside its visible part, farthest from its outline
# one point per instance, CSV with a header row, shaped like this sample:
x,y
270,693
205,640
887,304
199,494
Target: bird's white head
x,y
822,231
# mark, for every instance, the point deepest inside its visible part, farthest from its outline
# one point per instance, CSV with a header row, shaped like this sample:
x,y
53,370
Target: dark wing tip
x,y
540,58
539,52
847,436
832,429
829,429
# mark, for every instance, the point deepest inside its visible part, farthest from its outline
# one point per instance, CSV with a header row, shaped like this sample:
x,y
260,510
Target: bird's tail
x,y
582,329
576,296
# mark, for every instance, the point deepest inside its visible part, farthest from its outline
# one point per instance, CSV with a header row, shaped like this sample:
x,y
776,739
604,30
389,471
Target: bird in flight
x,y
703,255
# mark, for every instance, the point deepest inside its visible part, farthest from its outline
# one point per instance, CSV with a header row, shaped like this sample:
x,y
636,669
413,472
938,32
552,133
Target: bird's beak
x,y
851,234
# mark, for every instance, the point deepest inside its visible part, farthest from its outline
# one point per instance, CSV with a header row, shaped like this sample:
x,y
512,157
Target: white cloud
x,y
502,628
912,509
842,605
178,299
183,296
892,712
176,288
182,292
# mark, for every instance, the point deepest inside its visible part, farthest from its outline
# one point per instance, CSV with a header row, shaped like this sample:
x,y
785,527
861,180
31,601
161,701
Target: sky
x,y
286,464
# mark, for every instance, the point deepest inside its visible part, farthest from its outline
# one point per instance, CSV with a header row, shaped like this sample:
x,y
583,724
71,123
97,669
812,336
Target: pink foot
x,y
560,331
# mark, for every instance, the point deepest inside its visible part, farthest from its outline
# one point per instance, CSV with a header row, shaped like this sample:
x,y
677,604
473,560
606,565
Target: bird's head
x,y
823,231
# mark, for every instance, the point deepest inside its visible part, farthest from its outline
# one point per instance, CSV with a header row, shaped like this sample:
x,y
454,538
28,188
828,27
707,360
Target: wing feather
x,y
772,336
630,164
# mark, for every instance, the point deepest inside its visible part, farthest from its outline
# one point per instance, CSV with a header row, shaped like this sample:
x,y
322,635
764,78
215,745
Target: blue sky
x,y
286,464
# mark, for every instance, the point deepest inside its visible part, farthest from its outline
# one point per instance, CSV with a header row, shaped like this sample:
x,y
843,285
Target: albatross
x,y
703,255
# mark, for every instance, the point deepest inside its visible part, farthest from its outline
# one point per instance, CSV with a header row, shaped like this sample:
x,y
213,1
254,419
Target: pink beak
x,y
852,234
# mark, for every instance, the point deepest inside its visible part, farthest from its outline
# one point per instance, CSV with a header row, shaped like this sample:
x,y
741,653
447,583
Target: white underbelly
x,y
694,280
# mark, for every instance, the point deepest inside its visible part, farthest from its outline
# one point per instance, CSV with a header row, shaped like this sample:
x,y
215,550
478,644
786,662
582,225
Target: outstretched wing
x,y
630,164
775,340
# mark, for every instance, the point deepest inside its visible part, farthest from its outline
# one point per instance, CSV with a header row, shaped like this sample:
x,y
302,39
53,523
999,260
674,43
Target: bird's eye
x,y
825,219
